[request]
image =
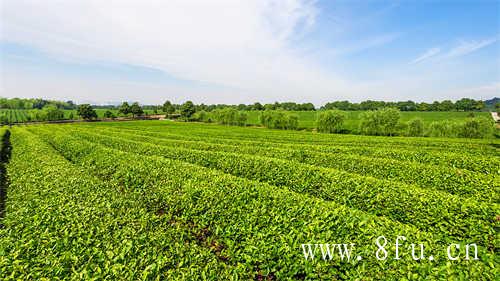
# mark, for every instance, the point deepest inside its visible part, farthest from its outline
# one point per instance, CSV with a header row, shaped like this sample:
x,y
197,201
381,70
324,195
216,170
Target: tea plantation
x,y
162,200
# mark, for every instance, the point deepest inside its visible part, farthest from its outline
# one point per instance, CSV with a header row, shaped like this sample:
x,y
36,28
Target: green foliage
x,y
380,122
200,192
477,128
464,182
53,113
331,121
202,116
109,114
64,223
187,110
27,104
86,112
279,119
136,109
348,188
416,127
168,108
124,108
230,116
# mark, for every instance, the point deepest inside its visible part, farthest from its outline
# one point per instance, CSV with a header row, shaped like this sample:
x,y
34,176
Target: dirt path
x,y
495,116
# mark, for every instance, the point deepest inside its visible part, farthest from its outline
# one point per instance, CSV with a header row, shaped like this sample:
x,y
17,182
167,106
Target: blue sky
x,y
227,51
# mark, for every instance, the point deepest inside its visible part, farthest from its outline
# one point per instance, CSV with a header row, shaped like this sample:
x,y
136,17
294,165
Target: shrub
x,y
4,120
168,108
401,129
331,121
443,129
279,119
53,113
477,128
382,122
416,127
124,108
187,110
202,116
230,116
136,109
86,111
109,114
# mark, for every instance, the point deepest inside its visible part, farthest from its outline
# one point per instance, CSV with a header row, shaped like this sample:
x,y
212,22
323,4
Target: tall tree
x,y
168,108
53,113
257,106
86,112
124,108
136,109
187,109
447,105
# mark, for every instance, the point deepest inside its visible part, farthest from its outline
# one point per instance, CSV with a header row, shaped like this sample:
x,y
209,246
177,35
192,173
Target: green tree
x,y
136,109
480,127
124,108
279,119
497,106
330,121
416,127
466,104
306,107
230,116
108,114
447,105
201,116
257,106
53,113
187,110
168,108
382,122
242,107
86,112
423,106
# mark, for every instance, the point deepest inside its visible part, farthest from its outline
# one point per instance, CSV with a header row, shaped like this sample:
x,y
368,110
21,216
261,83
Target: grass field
x,y
307,119
163,200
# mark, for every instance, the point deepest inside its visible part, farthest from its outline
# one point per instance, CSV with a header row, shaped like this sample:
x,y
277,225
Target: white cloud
x,y
244,51
467,47
461,49
243,45
428,54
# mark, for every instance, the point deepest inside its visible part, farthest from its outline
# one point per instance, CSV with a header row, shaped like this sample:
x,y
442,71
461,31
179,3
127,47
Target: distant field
x,y
307,118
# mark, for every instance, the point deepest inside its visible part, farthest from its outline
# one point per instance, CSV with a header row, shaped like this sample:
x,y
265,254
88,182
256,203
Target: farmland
x,y
10,116
307,119
176,200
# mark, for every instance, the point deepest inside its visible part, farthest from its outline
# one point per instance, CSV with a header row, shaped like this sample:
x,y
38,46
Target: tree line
x,y
386,122
464,104
19,103
379,122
